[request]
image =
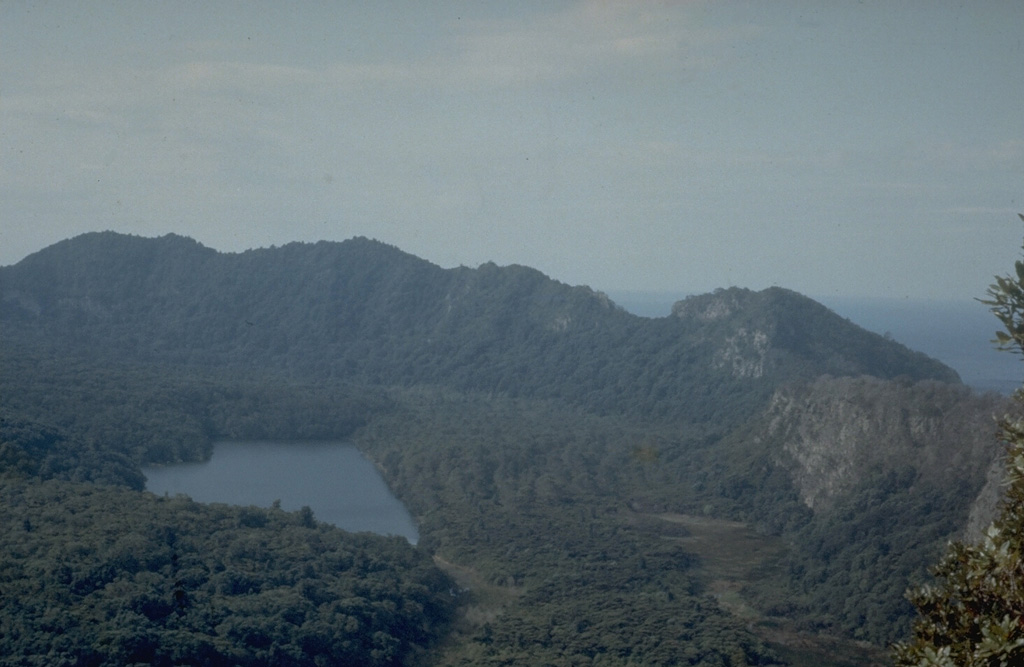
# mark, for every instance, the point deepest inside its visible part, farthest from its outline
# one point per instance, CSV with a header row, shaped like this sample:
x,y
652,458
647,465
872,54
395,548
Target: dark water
x,y
332,478
957,333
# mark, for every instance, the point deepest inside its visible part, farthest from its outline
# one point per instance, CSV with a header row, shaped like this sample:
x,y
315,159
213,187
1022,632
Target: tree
x,y
974,615
1007,303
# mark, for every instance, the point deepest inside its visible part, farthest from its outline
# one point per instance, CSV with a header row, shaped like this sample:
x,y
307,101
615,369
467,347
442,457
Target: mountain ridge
x,y
529,424
365,310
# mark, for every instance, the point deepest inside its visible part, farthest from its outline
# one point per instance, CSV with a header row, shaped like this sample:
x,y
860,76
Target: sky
x,y
860,149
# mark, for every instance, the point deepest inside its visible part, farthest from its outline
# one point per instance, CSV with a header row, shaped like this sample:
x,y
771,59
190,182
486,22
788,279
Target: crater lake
x,y
334,479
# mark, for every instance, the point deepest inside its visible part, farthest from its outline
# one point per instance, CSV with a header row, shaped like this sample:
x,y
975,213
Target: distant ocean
x,y
957,333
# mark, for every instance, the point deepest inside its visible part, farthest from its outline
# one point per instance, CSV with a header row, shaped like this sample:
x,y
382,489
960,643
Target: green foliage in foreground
x,y
975,615
537,498
95,575
530,427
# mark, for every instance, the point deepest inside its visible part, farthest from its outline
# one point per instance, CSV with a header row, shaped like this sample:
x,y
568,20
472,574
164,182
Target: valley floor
x,y
733,556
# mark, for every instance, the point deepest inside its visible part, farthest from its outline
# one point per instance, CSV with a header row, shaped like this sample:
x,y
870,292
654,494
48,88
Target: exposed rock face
x,y
744,354
367,312
838,432
986,505
757,334
710,307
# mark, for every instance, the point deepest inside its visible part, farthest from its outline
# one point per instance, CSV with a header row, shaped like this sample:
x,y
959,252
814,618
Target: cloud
x,y
164,89
591,37
997,215
1008,154
226,76
196,109
958,154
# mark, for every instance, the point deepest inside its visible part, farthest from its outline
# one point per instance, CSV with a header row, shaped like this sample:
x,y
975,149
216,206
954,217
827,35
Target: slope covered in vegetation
x,y
97,575
566,461
366,312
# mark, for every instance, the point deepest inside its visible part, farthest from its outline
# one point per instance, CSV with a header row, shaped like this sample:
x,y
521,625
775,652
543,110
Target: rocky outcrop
x,y
986,504
836,433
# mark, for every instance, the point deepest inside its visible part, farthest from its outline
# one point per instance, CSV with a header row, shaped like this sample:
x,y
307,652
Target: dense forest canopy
x,y
365,311
94,574
706,488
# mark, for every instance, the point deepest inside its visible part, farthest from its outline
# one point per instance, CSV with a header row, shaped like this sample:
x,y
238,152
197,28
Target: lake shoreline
x,y
333,478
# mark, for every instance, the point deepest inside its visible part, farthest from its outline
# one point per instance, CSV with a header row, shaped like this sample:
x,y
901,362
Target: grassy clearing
x,y
733,556
480,603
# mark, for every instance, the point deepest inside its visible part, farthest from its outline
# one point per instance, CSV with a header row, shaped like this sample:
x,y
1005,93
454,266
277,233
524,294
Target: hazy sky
x,y
841,148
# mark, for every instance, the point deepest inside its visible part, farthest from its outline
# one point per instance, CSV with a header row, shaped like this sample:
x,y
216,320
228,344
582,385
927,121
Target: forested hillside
x,y
96,575
366,312
751,480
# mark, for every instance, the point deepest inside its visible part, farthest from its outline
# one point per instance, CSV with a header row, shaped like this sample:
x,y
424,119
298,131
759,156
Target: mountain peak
x,y
367,311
